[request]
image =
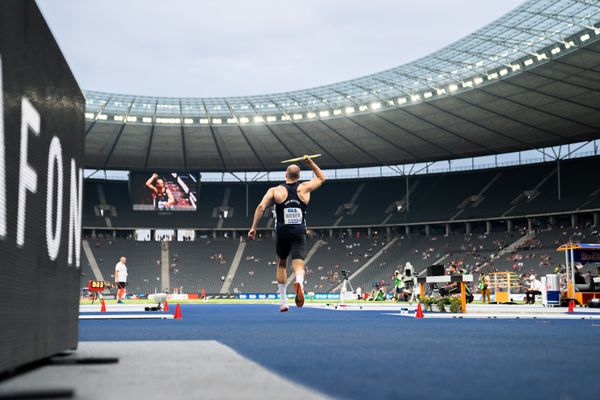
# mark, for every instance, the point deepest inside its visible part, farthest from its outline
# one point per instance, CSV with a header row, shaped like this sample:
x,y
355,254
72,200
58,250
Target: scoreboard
x,y
41,161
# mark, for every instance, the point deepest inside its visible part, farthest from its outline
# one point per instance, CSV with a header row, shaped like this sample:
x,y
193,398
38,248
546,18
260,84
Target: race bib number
x,y
292,216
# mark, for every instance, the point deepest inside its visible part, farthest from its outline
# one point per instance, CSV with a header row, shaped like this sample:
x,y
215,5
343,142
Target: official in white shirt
x,y
121,278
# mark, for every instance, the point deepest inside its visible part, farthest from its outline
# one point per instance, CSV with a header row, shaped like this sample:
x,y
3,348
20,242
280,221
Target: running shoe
x,y
284,307
299,295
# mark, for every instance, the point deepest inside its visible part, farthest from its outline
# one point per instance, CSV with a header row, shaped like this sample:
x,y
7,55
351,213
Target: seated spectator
x,y
535,287
453,287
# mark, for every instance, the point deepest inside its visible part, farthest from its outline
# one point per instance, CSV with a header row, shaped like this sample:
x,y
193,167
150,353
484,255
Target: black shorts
x,y
294,245
121,285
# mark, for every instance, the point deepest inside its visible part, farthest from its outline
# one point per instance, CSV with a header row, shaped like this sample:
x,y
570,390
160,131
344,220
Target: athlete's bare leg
x,y
298,266
281,283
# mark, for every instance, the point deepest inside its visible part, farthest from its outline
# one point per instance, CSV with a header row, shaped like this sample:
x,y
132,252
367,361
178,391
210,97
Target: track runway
x,y
365,353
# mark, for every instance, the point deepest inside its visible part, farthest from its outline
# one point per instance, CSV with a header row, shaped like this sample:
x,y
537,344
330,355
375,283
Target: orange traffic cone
x,y
571,306
166,306
177,312
102,306
419,313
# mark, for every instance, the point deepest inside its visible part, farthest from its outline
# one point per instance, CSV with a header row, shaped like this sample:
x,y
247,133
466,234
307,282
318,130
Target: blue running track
x,y
371,355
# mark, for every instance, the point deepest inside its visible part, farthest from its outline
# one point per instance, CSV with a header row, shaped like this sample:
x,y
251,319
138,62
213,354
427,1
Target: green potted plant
x,y
427,303
455,304
441,303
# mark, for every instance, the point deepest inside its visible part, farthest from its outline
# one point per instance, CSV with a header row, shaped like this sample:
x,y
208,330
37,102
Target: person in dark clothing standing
x,y
291,201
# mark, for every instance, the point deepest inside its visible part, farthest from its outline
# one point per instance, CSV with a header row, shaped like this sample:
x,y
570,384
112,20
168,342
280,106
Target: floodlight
x,y
259,119
337,112
204,120
323,113
102,117
528,62
89,115
584,37
131,118
363,108
402,100
216,120
244,120
427,95
453,87
147,120
375,106
349,110
271,118
297,116
310,115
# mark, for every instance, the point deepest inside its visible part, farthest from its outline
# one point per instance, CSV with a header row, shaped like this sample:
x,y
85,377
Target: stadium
x,y
468,173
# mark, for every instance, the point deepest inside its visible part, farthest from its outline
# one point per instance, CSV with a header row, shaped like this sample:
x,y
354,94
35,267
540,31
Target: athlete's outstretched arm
x,y
149,184
319,178
260,210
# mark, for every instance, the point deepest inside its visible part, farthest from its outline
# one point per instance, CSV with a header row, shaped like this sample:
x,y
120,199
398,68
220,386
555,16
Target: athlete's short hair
x,y
293,172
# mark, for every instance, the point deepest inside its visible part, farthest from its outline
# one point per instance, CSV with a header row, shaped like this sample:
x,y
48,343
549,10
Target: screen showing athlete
x,y
291,200
163,198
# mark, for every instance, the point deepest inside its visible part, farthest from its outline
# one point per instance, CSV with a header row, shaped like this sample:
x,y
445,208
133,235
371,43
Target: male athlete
x,y
121,278
163,198
291,200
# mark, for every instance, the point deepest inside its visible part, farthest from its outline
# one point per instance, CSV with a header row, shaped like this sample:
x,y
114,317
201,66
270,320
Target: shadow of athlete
x,y
291,200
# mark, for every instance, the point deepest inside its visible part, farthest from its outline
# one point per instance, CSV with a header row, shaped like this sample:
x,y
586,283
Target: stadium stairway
x,y
235,263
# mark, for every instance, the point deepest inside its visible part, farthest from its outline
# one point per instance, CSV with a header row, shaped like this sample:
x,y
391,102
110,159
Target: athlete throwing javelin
x,y
291,200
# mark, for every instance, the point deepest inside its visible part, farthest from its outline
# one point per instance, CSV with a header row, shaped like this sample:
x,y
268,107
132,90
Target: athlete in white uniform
x,y
121,278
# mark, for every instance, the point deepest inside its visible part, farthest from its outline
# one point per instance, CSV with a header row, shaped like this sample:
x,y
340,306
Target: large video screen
x,y
172,191
41,179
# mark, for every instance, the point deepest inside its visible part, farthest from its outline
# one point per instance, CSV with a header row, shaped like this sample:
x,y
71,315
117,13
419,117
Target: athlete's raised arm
x,y
315,182
260,210
149,182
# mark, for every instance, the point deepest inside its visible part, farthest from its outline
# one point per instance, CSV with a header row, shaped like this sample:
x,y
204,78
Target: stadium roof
x,y
530,79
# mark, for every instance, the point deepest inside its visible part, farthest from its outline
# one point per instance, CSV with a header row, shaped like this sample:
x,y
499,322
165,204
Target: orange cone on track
x,y
166,306
177,312
419,313
102,306
571,306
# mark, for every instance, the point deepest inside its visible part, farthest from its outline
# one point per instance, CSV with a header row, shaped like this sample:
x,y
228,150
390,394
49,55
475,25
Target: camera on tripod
x,y
345,274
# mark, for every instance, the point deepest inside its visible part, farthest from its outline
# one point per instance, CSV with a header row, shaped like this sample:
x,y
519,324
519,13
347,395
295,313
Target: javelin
x,y
300,158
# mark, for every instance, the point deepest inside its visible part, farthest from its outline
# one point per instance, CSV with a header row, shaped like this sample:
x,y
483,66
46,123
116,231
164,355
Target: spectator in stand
x,y
535,288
